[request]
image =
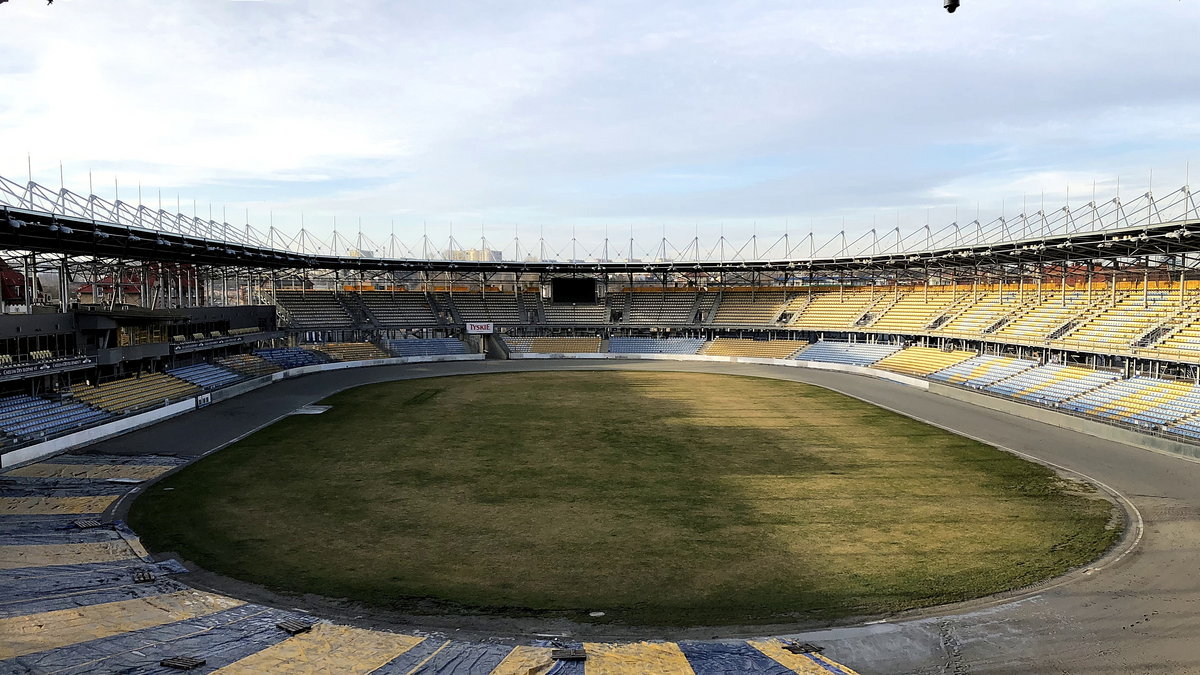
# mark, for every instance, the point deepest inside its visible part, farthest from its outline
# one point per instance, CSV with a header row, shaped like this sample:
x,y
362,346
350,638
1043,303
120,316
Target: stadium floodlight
x,y
950,5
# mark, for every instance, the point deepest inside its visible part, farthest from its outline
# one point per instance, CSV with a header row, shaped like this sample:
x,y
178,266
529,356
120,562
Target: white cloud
x,y
615,112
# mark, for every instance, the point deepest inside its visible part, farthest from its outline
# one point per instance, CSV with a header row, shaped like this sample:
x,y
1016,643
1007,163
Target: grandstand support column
x,y
64,284
30,281
116,283
144,287
119,285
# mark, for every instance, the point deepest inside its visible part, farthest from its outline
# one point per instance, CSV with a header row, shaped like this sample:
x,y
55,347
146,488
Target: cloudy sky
x,y
558,117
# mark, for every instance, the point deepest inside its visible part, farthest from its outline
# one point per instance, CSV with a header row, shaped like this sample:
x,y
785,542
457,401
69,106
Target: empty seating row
x,y
247,364
659,308
1052,383
832,309
291,357
982,370
643,345
134,393
29,416
574,314
767,349
399,309
746,308
206,375
425,347
1038,320
850,353
553,345
983,311
313,308
351,351
502,308
1139,400
922,360
917,310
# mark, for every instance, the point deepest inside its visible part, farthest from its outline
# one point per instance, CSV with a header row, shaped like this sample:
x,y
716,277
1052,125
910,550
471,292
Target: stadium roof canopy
x,y
39,220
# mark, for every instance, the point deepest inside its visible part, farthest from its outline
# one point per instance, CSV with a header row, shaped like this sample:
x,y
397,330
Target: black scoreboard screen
x,y
578,291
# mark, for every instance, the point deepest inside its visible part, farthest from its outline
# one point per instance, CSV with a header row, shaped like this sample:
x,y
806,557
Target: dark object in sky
x,y
951,5
567,289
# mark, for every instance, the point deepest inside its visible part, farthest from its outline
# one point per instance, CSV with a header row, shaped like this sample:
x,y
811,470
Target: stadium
x,y
841,337
966,449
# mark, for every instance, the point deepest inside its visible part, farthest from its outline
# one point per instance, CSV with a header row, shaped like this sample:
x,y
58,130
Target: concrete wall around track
x,y
815,365
126,424
93,434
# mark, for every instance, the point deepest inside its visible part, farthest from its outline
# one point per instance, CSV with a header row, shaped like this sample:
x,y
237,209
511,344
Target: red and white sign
x,y
480,328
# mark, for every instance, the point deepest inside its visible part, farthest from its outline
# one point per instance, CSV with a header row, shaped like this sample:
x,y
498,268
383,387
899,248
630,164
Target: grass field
x,y
658,498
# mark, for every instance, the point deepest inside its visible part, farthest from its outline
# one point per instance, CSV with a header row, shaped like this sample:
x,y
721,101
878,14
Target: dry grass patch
x,y
660,498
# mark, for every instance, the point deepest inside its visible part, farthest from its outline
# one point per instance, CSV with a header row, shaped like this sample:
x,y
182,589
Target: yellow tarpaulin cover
x,y
797,662
49,630
326,649
12,557
525,661
49,506
663,658
97,471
